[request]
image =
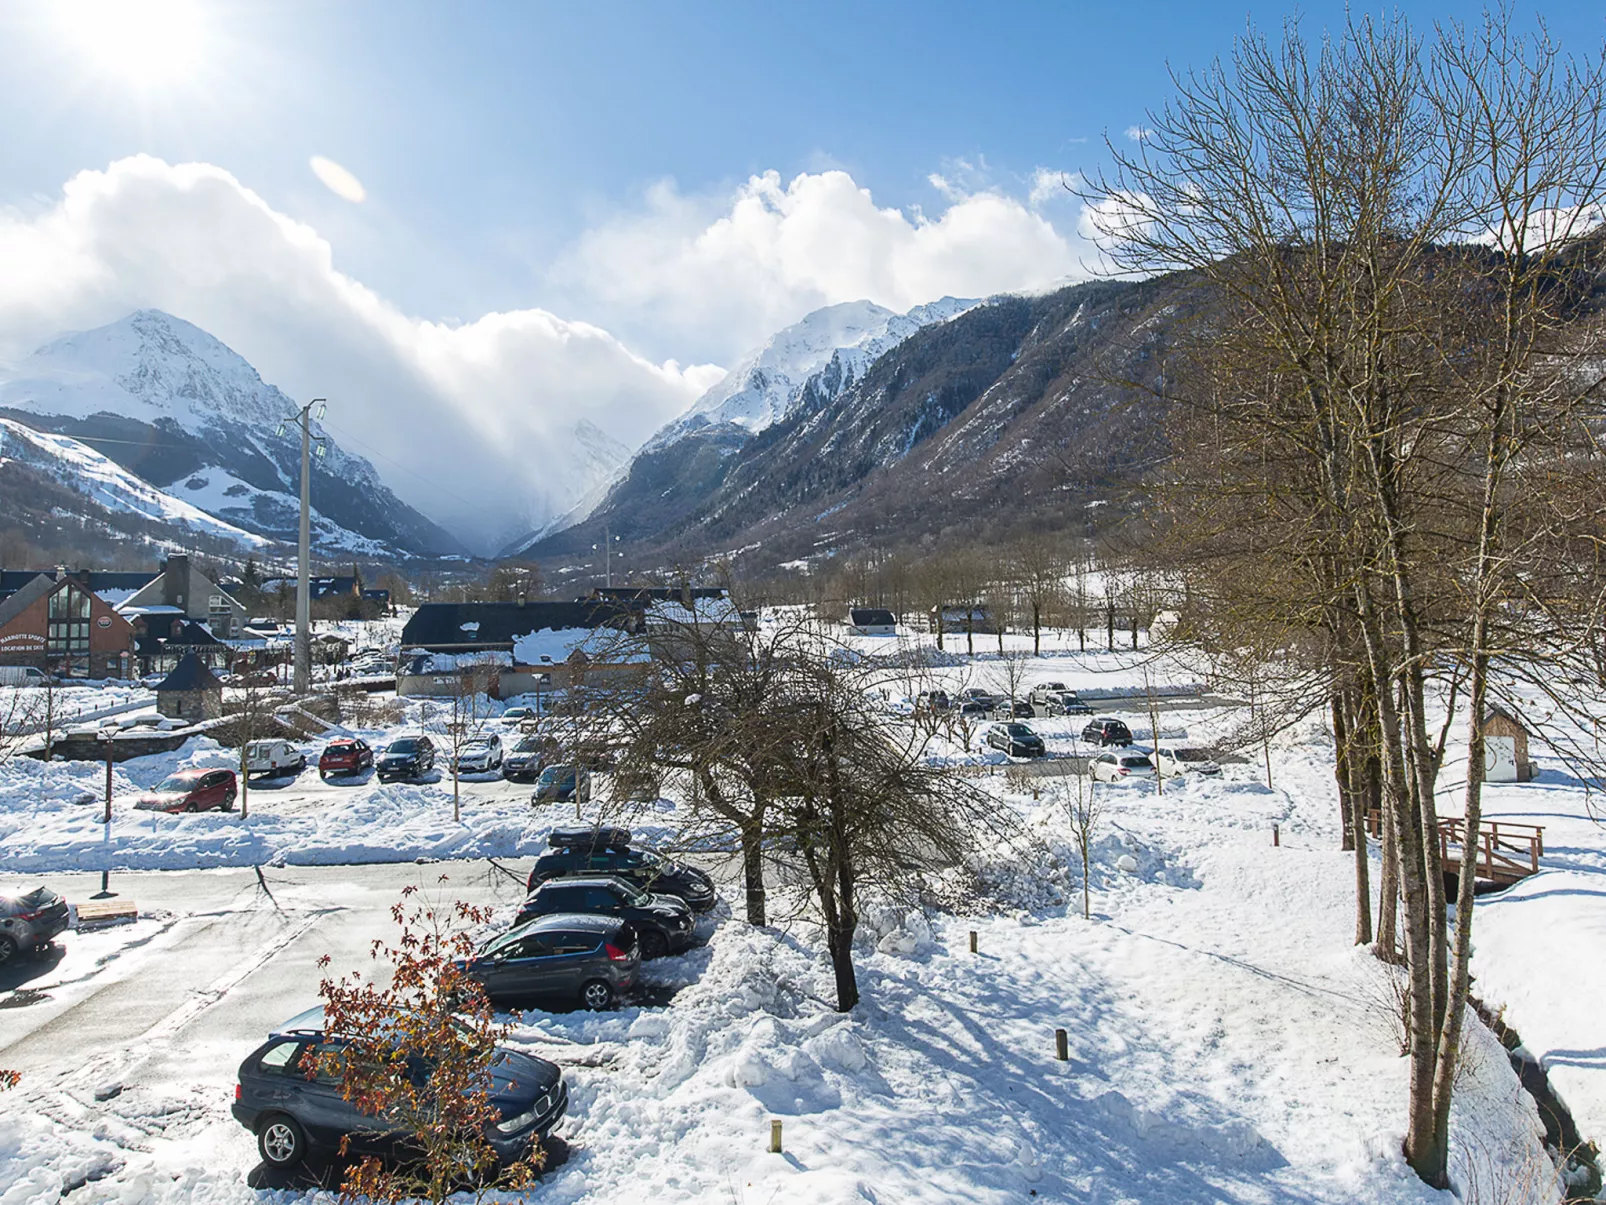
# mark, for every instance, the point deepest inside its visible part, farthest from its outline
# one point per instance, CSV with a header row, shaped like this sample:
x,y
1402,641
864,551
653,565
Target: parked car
x,y
975,694
294,1113
1018,710
1174,762
663,923
1016,740
1043,692
1119,767
345,755
563,784
23,675
523,762
1107,731
584,851
191,791
565,959
933,700
406,757
274,758
480,755
1067,703
29,921
975,709
518,715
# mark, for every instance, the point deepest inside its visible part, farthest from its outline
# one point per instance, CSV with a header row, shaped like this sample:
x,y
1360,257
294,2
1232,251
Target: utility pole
x,y
301,681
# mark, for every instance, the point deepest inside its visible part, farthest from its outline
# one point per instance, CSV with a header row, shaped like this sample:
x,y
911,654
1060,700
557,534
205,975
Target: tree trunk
x,y
753,875
1037,630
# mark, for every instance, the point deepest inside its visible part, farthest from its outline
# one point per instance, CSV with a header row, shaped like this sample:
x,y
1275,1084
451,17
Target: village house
x,y
873,621
182,590
56,623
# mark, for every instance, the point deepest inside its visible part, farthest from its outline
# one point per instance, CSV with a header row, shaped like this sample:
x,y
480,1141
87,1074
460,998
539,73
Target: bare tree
x,y
859,807
1084,808
462,719
1039,570
1386,230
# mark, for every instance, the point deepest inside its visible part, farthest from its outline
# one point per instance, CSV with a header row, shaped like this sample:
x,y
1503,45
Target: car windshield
x,y
1019,730
555,774
1135,763
406,745
476,746
530,744
634,896
177,782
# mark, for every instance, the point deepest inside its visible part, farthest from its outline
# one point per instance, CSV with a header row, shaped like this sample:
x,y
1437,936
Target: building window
x,y
219,616
67,640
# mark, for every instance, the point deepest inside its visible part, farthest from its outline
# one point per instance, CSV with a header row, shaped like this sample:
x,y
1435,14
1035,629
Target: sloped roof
x,y
497,625
872,617
25,597
190,674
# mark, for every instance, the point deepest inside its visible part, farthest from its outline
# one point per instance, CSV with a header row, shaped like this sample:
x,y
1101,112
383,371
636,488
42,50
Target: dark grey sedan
x,y
29,922
559,961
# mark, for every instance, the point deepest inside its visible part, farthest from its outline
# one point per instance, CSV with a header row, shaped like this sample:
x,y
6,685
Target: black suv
x,y
1107,732
1016,740
663,922
578,850
406,757
293,1114
1004,709
566,959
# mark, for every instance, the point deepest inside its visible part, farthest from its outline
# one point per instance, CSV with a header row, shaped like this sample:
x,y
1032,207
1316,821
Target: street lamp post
x,y
607,546
106,820
302,679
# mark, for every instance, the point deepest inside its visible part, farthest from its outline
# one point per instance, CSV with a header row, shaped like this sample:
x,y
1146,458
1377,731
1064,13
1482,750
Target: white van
x,y
274,758
22,675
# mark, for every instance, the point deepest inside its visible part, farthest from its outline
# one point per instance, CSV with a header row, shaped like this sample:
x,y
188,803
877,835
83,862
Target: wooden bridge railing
x,y
1505,849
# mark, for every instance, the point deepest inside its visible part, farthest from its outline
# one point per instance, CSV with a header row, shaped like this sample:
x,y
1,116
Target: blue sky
x,y
554,176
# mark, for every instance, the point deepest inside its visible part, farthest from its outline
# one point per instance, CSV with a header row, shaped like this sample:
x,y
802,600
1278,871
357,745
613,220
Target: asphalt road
x,y
213,964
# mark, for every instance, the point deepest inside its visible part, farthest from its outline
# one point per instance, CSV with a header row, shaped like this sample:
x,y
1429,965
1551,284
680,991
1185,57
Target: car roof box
x,y
588,836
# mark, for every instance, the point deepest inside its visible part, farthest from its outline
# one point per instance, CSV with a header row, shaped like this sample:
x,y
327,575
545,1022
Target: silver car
x,y
479,756
29,922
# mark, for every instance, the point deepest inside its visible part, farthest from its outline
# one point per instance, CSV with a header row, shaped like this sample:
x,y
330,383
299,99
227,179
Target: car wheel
x,y
282,1141
8,949
597,995
653,944
228,802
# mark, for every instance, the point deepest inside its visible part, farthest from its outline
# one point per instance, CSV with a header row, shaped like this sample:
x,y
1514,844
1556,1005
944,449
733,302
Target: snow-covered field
x,y
1226,1041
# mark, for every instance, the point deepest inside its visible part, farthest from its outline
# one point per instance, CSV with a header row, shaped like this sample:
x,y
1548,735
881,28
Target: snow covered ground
x,y
1226,1041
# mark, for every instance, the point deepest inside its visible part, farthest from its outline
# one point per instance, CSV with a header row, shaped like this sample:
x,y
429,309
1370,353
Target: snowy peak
x,y
149,365
175,408
768,382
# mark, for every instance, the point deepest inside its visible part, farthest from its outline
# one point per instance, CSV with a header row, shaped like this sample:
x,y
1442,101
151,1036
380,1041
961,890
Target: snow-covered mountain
x,y
108,485
182,412
810,363
768,382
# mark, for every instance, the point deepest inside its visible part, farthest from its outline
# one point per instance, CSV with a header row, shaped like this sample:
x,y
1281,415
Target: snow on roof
x,y
472,626
670,613
557,645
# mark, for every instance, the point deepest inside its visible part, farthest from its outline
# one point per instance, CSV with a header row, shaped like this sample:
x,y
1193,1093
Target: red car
x,y
191,791
345,756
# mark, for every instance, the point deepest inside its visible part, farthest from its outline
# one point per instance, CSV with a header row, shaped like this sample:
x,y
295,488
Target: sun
x,y
150,44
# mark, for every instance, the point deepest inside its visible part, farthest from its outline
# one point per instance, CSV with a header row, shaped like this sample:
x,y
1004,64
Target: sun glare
x,y
148,43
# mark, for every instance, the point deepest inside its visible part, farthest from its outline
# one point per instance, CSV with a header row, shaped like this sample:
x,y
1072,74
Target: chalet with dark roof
x,y
873,621
56,623
191,692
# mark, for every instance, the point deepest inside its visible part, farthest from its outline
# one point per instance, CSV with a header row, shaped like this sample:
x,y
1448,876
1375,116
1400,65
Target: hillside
x,y
1003,416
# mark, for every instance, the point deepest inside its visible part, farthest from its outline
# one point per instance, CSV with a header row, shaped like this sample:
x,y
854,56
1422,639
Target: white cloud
x,y
472,423
715,275
1138,133
338,180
